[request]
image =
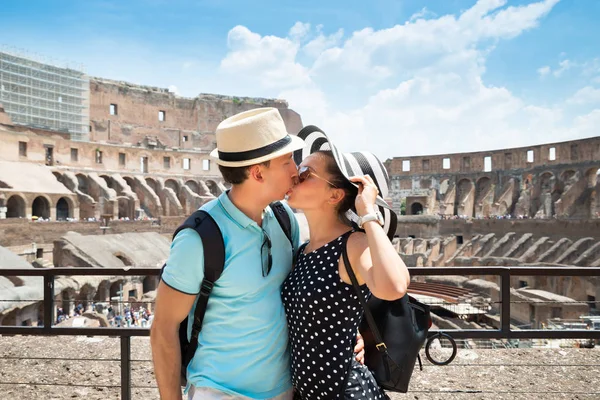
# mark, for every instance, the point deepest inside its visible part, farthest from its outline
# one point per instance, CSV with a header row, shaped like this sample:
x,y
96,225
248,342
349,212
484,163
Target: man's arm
x,y
177,291
171,308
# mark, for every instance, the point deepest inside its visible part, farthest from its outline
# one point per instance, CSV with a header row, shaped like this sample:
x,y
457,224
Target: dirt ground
x,y
91,370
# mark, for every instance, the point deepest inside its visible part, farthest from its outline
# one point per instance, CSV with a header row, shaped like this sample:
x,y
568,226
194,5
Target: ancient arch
x,y
125,209
103,292
153,184
40,207
64,209
82,183
67,300
416,208
592,176
213,187
444,185
124,259
150,283
86,295
173,185
463,188
15,207
565,176
110,182
130,182
193,185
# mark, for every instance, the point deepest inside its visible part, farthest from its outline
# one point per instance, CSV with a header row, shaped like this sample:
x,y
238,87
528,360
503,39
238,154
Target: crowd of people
x,y
129,317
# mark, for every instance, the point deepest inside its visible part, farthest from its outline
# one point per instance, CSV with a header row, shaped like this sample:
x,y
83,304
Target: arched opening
x,y
130,182
213,187
116,298
153,184
194,187
103,292
124,259
125,210
592,175
67,301
110,182
482,189
416,208
82,183
15,207
85,297
9,319
172,184
63,211
40,207
150,283
566,176
463,188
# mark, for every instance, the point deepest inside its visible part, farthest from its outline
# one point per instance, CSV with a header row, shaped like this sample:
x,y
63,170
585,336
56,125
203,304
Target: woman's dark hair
x,y
339,180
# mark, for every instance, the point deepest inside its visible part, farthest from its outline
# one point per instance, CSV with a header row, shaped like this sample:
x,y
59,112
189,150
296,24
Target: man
x,y
243,345
242,350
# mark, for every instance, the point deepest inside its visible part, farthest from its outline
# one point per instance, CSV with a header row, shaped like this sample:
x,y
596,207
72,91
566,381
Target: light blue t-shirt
x,y
243,345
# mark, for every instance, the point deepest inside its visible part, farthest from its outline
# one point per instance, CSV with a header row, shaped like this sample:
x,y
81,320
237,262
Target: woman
x,y
322,308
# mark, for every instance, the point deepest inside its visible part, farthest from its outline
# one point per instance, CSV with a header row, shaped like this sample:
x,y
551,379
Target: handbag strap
x,y
380,344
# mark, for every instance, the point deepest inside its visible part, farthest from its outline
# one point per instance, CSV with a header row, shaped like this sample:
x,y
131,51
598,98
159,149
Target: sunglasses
x,y
305,172
265,254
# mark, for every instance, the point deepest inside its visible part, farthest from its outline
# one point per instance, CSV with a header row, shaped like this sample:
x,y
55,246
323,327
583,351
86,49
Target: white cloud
x,y
586,95
415,88
423,14
321,43
299,30
563,66
270,60
543,71
173,89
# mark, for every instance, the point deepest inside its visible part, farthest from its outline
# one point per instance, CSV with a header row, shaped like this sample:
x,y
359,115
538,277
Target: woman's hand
x,y
367,194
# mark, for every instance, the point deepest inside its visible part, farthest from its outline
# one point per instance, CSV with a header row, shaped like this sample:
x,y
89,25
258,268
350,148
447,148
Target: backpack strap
x,y
379,343
284,220
214,262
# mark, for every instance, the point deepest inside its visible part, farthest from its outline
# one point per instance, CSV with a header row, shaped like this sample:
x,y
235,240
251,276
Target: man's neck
x,y
247,201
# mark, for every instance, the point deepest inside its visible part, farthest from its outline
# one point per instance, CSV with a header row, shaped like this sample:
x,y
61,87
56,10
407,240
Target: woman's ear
x,y
337,195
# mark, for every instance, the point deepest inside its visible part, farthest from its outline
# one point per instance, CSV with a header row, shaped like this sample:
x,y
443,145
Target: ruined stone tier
x,y
550,180
125,113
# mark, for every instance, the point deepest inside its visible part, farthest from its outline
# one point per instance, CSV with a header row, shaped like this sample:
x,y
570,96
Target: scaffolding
x,y
45,96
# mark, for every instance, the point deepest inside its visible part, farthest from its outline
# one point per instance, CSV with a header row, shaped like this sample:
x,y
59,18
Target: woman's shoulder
x,y
357,243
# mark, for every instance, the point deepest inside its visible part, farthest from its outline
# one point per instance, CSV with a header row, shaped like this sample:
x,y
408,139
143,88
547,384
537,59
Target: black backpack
x,y
214,262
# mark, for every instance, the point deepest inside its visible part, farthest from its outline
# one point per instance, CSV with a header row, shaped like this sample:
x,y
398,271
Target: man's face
x,y
280,176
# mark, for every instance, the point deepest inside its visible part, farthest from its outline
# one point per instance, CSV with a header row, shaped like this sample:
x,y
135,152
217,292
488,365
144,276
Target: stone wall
x,y
429,227
184,123
15,232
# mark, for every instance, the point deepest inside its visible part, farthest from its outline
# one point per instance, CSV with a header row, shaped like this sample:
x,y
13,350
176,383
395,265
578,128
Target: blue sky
x,y
393,77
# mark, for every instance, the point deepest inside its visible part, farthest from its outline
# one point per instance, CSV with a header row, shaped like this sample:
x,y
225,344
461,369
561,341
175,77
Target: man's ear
x,y
255,172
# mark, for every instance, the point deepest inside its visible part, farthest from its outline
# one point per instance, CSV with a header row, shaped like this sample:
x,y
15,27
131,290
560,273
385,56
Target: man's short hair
x,y
237,175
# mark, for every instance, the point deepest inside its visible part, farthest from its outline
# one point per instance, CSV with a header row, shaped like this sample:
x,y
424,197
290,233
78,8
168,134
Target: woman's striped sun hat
x,y
352,164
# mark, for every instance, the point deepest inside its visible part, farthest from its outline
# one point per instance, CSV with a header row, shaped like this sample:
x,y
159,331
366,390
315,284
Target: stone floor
x,y
93,373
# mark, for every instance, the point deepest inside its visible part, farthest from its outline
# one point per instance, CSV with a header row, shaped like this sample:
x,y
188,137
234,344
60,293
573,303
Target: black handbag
x,y
393,332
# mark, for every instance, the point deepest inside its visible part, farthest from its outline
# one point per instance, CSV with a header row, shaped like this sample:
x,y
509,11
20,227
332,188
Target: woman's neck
x,y
324,226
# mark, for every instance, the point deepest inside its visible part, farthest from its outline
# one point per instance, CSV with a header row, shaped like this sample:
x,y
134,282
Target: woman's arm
x,y
374,259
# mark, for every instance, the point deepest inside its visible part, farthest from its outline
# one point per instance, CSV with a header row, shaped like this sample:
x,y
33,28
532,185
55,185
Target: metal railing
x,y
125,334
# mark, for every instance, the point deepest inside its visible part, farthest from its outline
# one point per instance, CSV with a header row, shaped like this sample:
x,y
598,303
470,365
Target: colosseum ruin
x,y
99,173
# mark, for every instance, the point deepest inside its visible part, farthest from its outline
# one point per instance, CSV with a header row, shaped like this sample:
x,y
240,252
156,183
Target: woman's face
x,y
313,192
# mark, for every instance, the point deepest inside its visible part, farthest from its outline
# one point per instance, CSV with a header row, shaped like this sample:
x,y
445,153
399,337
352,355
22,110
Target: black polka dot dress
x,y
323,315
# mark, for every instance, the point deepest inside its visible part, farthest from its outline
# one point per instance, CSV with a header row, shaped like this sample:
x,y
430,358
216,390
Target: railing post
x,y
505,299
125,367
48,301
